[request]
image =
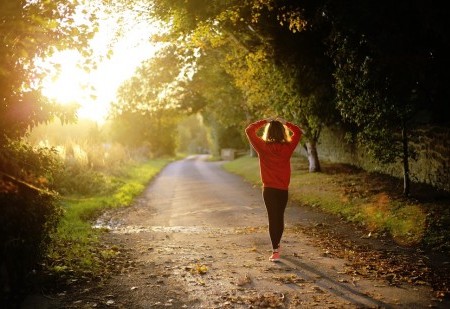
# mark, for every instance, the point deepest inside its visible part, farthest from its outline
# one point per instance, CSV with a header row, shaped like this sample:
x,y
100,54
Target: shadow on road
x,y
310,273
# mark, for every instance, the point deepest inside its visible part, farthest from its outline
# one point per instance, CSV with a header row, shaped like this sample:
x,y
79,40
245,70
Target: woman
x,y
274,149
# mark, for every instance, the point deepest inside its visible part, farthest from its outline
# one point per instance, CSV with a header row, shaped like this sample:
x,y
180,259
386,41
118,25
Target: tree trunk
x,y
252,152
313,157
406,176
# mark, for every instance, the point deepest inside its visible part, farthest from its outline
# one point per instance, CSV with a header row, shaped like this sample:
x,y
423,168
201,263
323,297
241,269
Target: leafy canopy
x,y
31,30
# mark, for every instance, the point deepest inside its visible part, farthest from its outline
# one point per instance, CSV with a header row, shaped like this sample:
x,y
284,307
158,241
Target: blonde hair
x,y
276,132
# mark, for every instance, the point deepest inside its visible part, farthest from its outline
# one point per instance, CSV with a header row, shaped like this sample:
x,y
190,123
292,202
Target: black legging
x,y
275,201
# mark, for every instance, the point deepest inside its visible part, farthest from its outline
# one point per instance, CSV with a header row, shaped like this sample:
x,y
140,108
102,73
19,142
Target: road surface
x,y
197,238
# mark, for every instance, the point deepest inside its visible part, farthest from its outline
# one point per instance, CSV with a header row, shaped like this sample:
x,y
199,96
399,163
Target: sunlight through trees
x,y
162,76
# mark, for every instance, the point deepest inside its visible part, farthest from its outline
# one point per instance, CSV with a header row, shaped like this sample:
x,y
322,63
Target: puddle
x,y
110,225
118,228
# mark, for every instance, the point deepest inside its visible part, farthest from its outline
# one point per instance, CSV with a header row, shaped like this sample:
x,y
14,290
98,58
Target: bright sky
x,y
73,84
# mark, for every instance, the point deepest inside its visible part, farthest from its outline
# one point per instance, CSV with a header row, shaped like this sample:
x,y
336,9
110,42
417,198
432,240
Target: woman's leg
x,y
275,201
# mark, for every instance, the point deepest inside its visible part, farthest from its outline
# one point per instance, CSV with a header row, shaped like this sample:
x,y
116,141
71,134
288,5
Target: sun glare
x,y
95,90
65,87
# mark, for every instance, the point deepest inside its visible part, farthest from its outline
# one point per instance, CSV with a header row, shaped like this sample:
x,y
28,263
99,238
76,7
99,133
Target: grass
x,y
372,200
75,245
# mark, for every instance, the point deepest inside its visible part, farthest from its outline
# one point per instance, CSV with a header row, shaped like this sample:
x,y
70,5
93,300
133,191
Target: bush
x,y
30,212
28,217
82,181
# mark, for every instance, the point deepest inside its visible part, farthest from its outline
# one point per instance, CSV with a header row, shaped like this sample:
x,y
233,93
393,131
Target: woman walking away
x,y
275,149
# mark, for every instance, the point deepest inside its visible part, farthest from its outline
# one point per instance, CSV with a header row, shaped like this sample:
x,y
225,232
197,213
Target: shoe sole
x,y
274,260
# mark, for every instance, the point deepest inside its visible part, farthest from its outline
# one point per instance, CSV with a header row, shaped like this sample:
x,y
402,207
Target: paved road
x,y
197,238
197,193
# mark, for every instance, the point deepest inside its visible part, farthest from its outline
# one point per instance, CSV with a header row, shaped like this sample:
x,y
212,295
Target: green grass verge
x,y
75,245
356,195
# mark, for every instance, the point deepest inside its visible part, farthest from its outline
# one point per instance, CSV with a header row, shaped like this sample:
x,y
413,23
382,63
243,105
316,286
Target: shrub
x,y
30,211
82,181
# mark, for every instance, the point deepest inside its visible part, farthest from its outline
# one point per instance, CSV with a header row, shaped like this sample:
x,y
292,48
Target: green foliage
x,y
152,87
271,69
28,218
154,132
231,137
148,106
30,30
192,135
386,74
224,102
83,181
378,114
398,60
32,165
382,64
30,210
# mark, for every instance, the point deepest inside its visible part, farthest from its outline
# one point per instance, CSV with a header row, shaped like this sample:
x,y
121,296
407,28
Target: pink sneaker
x,y
275,257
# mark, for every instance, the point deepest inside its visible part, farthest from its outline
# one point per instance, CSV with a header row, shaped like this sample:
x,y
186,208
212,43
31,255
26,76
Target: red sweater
x,y
274,158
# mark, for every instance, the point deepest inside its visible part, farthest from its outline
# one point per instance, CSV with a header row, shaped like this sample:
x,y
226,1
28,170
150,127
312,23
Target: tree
x,y
223,110
277,68
149,103
281,88
192,84
387,64
154,133
30,30
300,50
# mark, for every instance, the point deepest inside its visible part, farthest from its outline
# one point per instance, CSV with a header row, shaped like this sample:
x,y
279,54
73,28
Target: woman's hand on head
x,y
269,119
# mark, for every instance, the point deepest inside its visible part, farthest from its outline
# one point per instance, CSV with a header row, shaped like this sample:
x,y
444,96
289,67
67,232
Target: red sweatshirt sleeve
x,y
251,130
297,134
